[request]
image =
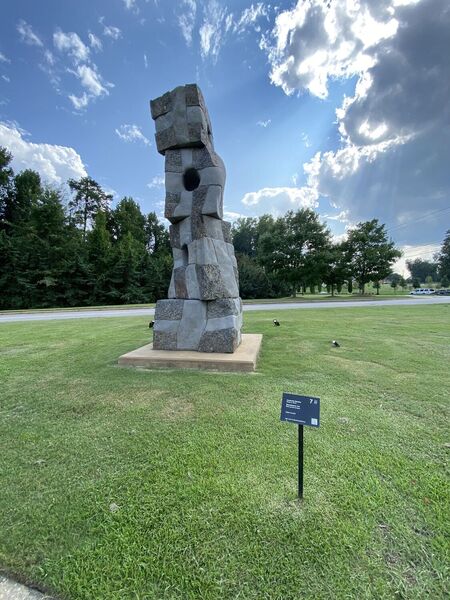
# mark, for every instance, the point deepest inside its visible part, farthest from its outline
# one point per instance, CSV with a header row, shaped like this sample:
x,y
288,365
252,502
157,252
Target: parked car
x,y
422,292
442,292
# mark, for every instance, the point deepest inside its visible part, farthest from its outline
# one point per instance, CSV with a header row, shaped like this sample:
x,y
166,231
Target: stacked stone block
x,y
203,311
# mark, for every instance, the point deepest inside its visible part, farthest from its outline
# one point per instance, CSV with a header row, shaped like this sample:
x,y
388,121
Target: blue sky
x,y
307,106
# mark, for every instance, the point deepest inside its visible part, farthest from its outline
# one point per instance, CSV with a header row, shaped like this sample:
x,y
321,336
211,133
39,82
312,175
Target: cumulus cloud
x,y
72,45
109,30
27,34
316,41
187,12
264,123
132,133
278,200
55,164
395,131
4,59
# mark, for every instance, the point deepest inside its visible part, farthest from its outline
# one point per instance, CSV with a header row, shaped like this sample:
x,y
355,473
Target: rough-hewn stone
x,y
180,282
169,309
163,340
224,340
204,311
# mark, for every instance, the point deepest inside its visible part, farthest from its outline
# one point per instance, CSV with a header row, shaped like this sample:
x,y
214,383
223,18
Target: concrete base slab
x,y
10,590
243,359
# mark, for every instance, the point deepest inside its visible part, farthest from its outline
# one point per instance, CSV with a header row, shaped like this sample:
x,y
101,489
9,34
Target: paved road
x,y
148,312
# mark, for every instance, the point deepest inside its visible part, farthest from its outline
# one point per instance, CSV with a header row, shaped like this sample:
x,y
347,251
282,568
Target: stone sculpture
x,y
203,311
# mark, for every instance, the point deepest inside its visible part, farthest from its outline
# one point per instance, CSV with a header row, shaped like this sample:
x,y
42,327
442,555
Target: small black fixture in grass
x,y
276,323
335,344
150,325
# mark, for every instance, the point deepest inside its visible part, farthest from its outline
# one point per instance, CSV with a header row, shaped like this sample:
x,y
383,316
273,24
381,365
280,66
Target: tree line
x,y
432,271
295,253
79,252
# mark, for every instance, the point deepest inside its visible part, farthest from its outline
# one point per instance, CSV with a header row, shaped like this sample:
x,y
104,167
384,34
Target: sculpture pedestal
x,y
242,360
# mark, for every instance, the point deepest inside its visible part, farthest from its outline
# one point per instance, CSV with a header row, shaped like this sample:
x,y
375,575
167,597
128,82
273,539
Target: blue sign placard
x,y
304,410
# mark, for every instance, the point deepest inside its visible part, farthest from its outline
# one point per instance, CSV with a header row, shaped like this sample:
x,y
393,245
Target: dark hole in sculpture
x,y
191,179
184,255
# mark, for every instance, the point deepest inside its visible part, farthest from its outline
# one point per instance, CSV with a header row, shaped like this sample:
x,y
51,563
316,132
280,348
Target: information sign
x,y
304,410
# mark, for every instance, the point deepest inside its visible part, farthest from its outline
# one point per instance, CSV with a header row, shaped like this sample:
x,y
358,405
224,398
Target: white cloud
x,y
85,70
132,133
214,27
50,59
92,80
264,123
72,45
392,163
156,182
277,201
130,4
305,139
6,78
95,42
4,59
232,216
110,30
187,11
145,61
54,163
79,102
250,15
424,251
316,41
27,34
341,217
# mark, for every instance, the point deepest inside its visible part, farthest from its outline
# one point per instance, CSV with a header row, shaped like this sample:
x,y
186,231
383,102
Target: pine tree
x,y
88,200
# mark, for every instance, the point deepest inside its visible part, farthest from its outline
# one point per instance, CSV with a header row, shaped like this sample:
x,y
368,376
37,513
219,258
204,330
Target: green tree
x,y
156,236
45,246
445,282
245,236
88,199
336,271
127,218
253,280
370,254
100,259
28,191
443,257
294,248
126,272
421,269
6,185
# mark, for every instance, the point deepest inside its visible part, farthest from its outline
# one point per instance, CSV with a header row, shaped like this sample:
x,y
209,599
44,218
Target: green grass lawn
x,y
121,484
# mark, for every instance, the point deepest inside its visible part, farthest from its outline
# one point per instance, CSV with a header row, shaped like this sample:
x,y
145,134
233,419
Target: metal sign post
x,y
300,461
303,410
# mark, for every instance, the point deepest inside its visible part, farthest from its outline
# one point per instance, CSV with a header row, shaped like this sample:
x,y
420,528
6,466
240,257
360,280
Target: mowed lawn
x,y
120,484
